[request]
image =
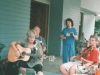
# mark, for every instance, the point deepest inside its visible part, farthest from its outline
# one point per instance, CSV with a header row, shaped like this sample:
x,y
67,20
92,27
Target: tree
x,y
97,27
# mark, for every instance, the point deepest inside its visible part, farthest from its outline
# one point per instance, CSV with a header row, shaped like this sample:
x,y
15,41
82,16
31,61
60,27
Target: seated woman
x,y
35,60
88,57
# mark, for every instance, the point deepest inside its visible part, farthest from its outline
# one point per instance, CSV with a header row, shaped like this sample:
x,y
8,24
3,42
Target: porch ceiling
x,y
91,6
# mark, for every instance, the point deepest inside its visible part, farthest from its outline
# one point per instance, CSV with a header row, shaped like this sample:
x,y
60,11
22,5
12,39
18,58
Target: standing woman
x,y
68,35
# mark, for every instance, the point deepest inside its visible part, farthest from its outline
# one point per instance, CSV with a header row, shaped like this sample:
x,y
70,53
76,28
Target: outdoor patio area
x,y
49,67
52,66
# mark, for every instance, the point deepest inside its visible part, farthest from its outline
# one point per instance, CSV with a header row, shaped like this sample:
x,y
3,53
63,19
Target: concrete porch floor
x,y
52,67
49,67
51,73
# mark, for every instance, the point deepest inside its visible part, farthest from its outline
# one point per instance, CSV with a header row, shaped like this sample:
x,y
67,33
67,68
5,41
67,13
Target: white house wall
x,y
71,9
93,5
88,25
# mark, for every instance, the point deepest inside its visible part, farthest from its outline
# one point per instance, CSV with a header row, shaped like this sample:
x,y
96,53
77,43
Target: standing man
x,y
68,35
83,41
40,38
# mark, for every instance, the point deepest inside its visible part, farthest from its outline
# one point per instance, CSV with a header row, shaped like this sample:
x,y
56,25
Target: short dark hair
x,y
69,19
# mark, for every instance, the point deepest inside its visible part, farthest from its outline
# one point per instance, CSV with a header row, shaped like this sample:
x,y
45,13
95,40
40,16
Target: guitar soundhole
x,y
20,57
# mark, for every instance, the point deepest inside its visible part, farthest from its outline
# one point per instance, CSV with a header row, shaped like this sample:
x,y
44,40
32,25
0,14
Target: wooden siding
x,y
15,18
55,25
71,9
43,1
14,22
60,10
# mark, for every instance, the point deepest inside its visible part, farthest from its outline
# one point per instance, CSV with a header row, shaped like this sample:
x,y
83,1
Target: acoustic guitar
x,y
23,54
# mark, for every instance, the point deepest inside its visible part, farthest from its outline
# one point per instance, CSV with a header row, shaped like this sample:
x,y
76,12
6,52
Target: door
x,y
39,16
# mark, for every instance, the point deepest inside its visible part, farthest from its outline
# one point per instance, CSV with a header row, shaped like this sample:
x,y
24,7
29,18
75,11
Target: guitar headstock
x,y
50,58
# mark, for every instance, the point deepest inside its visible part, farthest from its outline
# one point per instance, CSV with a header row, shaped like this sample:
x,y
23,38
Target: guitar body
x,y
12,54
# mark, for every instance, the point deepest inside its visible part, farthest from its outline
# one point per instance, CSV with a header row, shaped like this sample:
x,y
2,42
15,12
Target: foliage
x,y
97,27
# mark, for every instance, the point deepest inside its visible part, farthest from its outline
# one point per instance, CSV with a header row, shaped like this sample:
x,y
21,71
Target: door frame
x,y
48,3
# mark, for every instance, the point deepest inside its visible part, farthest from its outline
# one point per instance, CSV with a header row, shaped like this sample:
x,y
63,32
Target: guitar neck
x,y
29,54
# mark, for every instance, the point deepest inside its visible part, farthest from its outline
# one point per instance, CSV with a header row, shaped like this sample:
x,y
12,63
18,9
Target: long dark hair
x,y
69,19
